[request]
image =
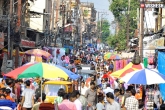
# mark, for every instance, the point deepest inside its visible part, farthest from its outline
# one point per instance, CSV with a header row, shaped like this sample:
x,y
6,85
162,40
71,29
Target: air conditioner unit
x,y
9,64
8,70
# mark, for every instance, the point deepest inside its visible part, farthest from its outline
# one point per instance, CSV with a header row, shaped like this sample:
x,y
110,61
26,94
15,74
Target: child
x,y
7,93
100,105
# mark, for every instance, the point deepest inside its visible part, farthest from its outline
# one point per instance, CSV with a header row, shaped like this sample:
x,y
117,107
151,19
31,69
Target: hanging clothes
x,y
125,62
38,59
128,61
67,59
150,60
117,65
114,63
145,62
121,64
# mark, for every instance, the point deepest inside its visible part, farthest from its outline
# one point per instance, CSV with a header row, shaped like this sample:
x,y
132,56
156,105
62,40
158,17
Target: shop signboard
x,y
27,43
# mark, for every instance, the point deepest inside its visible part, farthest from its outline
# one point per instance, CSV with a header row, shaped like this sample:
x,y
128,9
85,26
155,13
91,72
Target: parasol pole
x,y
55,56
41,89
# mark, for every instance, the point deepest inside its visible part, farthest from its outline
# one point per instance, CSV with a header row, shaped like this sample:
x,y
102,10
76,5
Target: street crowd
x,y
101,93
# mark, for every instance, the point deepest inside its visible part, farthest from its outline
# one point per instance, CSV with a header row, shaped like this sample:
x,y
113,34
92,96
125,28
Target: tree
x,y
104,31
119,9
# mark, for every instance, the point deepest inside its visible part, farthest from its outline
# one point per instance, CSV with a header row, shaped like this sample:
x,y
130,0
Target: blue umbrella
x,y
144,76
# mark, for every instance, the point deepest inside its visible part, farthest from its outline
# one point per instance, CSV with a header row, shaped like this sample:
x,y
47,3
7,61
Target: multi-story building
x,y
89,17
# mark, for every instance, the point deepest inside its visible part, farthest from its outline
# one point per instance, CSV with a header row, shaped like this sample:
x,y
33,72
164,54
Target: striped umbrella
x,y
144,76
41,70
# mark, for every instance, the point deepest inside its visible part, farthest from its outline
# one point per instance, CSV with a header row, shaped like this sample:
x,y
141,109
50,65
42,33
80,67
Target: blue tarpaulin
x,y
161,69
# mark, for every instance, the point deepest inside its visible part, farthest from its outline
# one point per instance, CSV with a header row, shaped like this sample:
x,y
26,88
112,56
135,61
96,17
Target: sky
x,y
103,6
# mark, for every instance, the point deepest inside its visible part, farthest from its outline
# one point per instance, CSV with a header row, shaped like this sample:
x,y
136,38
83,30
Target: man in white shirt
x,y
76,101
83,88
108,89
28,97
98,79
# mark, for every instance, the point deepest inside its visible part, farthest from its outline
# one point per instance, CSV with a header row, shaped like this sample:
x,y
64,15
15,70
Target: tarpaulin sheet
x,y
161,69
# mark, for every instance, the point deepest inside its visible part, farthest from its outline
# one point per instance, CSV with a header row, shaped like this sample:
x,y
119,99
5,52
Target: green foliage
x,y
86,12
119,9
105,29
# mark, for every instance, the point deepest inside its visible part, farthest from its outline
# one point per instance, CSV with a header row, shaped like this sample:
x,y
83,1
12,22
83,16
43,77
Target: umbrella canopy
x,y
139,66
41,70
38,52
108,55
115,57
118,73
127,69
144,76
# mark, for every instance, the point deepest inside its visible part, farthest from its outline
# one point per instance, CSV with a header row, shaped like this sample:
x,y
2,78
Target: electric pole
x,y
141,33
8,34
128,24
63,23
52,30
17,30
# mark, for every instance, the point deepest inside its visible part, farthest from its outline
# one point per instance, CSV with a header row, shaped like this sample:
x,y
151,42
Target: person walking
x,y
131,102
100,104
66,104
91,96
112,104
82,99
2,84
27,97
76,101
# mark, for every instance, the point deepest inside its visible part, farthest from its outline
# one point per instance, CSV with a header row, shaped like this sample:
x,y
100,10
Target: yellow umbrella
x,y
128,68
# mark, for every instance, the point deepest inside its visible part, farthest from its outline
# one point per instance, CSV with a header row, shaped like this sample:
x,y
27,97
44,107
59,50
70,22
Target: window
x,y
52,90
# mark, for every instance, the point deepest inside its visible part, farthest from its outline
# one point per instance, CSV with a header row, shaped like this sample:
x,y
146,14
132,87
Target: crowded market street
x,y
82,54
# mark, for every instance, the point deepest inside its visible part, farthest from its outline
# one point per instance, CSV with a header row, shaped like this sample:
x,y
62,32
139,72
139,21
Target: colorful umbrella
x,y
38,52
108,55
144,76
139,66
115,57
127,69
41,70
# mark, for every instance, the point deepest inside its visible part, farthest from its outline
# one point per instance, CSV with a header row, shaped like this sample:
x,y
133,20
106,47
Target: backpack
x,y
151,60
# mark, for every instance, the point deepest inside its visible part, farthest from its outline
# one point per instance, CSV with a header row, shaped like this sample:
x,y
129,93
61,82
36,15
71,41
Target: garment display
x,y
125,62
145,62
121,64
117,65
